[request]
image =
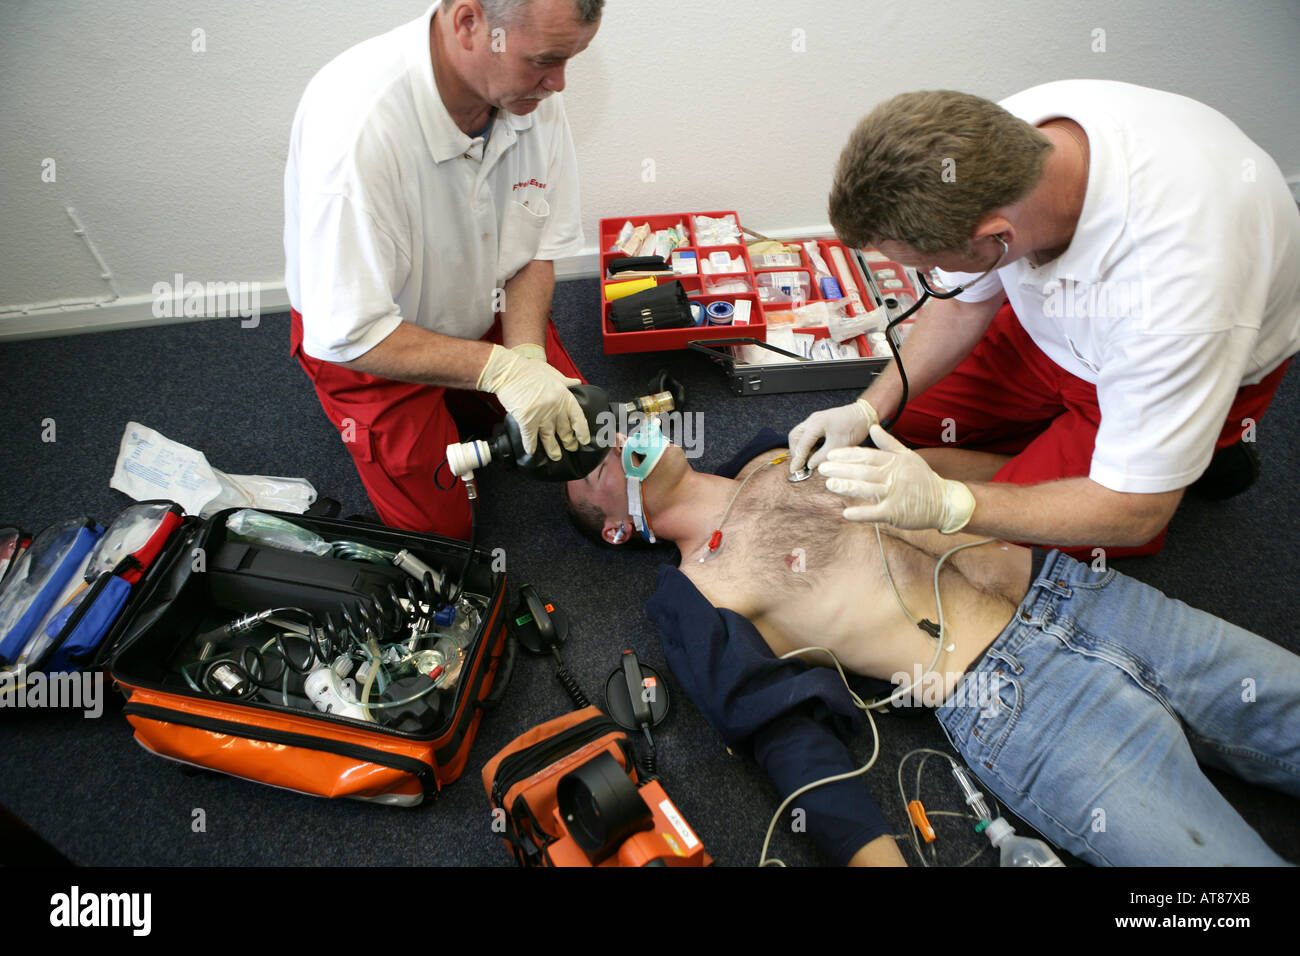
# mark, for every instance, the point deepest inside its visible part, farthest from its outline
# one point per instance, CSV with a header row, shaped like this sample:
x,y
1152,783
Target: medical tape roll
x,y
720,313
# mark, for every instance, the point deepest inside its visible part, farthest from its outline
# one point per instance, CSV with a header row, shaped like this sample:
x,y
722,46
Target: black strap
x,y
529,834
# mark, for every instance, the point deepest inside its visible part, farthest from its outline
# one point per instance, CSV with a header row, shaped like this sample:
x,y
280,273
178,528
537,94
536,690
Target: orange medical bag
x,y
245,717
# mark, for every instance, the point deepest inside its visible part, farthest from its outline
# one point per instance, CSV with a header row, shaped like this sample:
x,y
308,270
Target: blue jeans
x,y
1100,697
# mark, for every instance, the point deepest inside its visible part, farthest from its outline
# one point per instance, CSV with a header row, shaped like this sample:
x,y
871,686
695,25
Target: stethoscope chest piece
x,y
803,474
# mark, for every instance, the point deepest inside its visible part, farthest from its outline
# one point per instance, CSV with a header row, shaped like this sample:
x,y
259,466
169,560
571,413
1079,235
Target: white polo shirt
x,y
393,214
1180,285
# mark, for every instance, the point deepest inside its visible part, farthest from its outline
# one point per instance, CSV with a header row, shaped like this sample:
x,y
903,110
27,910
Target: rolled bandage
x,y
846,281
634,241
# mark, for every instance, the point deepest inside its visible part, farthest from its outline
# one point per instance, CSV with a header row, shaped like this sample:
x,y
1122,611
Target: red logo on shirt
x,y
531,182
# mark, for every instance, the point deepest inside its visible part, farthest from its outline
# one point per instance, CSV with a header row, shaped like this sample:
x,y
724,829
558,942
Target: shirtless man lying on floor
x,y
1105,692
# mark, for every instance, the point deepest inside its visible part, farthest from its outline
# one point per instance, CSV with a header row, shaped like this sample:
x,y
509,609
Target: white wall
x,y
173,159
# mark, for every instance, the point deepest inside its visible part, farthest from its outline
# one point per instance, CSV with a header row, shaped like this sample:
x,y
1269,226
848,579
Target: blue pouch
x,y
70,639
36,582
102,605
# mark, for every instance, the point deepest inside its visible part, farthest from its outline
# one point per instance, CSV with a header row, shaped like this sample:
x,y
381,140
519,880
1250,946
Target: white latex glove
x,y
530,351
907,492
538,397
840,426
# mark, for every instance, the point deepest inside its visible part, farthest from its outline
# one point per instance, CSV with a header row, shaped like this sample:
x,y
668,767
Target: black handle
x,y
537,608
703,346
636,688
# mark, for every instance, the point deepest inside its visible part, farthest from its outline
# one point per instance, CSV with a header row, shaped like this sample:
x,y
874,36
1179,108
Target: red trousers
x,y
398,433
1007,397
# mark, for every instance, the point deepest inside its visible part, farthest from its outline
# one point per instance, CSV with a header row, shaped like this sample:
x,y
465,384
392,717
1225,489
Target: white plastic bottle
x,y
1018,850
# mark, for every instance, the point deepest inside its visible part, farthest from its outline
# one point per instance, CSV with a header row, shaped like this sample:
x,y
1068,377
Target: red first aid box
x,y
771,284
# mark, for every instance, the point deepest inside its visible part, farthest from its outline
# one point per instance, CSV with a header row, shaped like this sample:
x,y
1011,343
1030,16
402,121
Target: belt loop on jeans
x,y
1053,577
1006,656
1057,585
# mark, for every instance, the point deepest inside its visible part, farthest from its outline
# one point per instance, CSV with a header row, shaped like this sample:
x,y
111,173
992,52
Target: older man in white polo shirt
x,y
430,184
1150,253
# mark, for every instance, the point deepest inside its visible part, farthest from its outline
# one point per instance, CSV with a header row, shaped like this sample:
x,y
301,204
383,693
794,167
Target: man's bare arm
x,y
528,304
413,354
1070,512
894,484
945,332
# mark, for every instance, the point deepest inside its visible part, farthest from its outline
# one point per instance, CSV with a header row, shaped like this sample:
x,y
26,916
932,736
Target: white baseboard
x,y
128,312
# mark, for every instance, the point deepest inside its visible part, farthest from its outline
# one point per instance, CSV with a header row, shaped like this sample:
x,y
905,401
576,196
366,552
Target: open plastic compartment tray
x,y
804,375
806,271
621,342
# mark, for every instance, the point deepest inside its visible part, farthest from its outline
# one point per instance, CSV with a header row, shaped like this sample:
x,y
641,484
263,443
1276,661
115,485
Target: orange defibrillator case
x,y
526,782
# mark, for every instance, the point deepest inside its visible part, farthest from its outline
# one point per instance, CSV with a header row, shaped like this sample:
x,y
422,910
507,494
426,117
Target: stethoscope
x,y
927,293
